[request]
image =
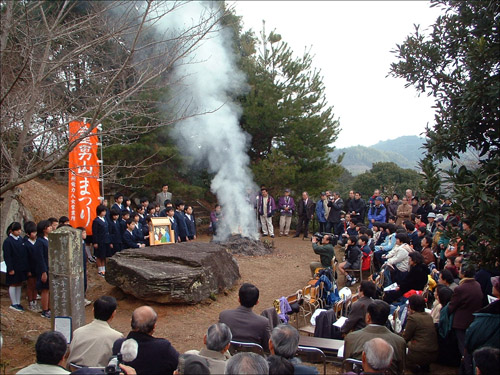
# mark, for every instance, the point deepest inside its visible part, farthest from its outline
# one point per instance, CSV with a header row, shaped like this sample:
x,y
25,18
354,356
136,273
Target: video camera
x,y
113,366
319,236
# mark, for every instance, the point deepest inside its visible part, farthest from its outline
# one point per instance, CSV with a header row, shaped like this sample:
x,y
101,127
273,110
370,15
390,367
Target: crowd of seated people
x,y
425,339
411,250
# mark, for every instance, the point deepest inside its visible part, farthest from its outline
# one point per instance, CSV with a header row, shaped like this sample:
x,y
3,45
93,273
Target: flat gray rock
x,y
187,272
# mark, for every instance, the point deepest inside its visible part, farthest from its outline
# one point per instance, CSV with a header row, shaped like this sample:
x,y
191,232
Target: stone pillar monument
x,y
66,275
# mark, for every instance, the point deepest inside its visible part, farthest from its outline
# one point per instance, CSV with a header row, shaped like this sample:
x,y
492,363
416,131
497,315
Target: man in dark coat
x,y
356,207
305,210
245,325
336,204
356,318
467,299
154,355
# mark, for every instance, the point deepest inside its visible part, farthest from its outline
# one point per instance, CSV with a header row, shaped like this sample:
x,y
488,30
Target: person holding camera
x,y
325,251
336,205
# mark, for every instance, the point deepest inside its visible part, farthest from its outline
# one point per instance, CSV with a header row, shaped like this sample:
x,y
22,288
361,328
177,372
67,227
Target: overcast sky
x,y
351,41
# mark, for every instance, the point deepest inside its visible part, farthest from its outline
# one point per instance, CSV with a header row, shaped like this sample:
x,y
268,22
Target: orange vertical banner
x,y
83,187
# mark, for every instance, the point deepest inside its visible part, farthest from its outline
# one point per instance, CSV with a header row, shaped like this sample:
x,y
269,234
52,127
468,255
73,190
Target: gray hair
x,y
247,363
285,339
378,353
218,336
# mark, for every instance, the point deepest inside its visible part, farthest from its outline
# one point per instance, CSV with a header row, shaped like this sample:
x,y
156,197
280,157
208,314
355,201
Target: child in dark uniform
x,y
30,242
42,264
115,231
101,239
16,260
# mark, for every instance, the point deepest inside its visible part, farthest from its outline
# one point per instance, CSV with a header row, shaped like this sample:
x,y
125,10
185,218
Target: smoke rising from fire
x,y
208,79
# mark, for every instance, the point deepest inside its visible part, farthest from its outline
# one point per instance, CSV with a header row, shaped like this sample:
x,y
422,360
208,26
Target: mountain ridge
x,y
405,151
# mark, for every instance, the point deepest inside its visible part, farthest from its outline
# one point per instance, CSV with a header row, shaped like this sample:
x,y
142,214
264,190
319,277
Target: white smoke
x,y
209,78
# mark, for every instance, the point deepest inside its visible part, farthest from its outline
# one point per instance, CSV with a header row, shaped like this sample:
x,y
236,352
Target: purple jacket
x,y
282,204
271,206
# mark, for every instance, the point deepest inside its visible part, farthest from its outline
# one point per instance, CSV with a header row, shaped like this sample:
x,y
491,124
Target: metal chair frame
x,y
311,355
236,347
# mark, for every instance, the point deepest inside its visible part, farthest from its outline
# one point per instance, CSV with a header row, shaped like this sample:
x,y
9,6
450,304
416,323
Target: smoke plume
x,y
208,79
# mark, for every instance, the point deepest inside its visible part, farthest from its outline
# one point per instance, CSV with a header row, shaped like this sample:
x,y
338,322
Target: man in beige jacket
x,y
92,344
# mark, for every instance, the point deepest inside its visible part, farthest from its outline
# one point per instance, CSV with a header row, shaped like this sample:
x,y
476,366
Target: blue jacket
x,y
376,213
181,225
42,257
129,241
191,225
175,228
320,211
100,232
388,243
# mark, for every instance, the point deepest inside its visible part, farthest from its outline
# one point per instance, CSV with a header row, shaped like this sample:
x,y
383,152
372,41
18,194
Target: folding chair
x,y
241,347
360,270
352,365
311,355
296,300
338,307
311,301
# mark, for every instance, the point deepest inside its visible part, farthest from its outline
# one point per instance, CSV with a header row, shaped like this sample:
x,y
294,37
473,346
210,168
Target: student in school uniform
x,y
29,243
101,239
123,224
144,204
151,210
167,204
141,211
138,233
115,231
16,260
54,223
127,204
43,229
118,205
190,222
181,221
170,214
129,241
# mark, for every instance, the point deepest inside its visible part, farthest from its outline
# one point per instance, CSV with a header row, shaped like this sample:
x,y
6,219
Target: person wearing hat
x,y
377,212
320,212
286,206
431,224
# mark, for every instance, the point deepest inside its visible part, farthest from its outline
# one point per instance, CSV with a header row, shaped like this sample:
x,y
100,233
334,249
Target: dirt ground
x,y
276,275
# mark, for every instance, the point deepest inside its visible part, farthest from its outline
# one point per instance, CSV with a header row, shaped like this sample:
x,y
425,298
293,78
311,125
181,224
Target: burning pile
x,y
237,244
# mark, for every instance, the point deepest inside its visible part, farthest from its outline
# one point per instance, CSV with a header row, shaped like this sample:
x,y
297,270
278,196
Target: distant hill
x,y
405,151
410,147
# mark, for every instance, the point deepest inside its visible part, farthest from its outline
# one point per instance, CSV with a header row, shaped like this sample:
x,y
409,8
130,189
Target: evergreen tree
x,y
457,62
431,180
285,112
388,178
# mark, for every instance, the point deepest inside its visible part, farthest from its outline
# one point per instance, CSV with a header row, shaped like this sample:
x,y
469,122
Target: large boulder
x,y
178,273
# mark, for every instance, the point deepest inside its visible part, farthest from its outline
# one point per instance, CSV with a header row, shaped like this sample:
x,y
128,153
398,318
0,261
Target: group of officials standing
x,y
328,211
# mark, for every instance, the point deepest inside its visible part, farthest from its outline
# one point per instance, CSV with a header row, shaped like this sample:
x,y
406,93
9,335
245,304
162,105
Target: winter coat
x,y
271,205
377,214
335,209
392,208
398,257
403,213
320,212
282,203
